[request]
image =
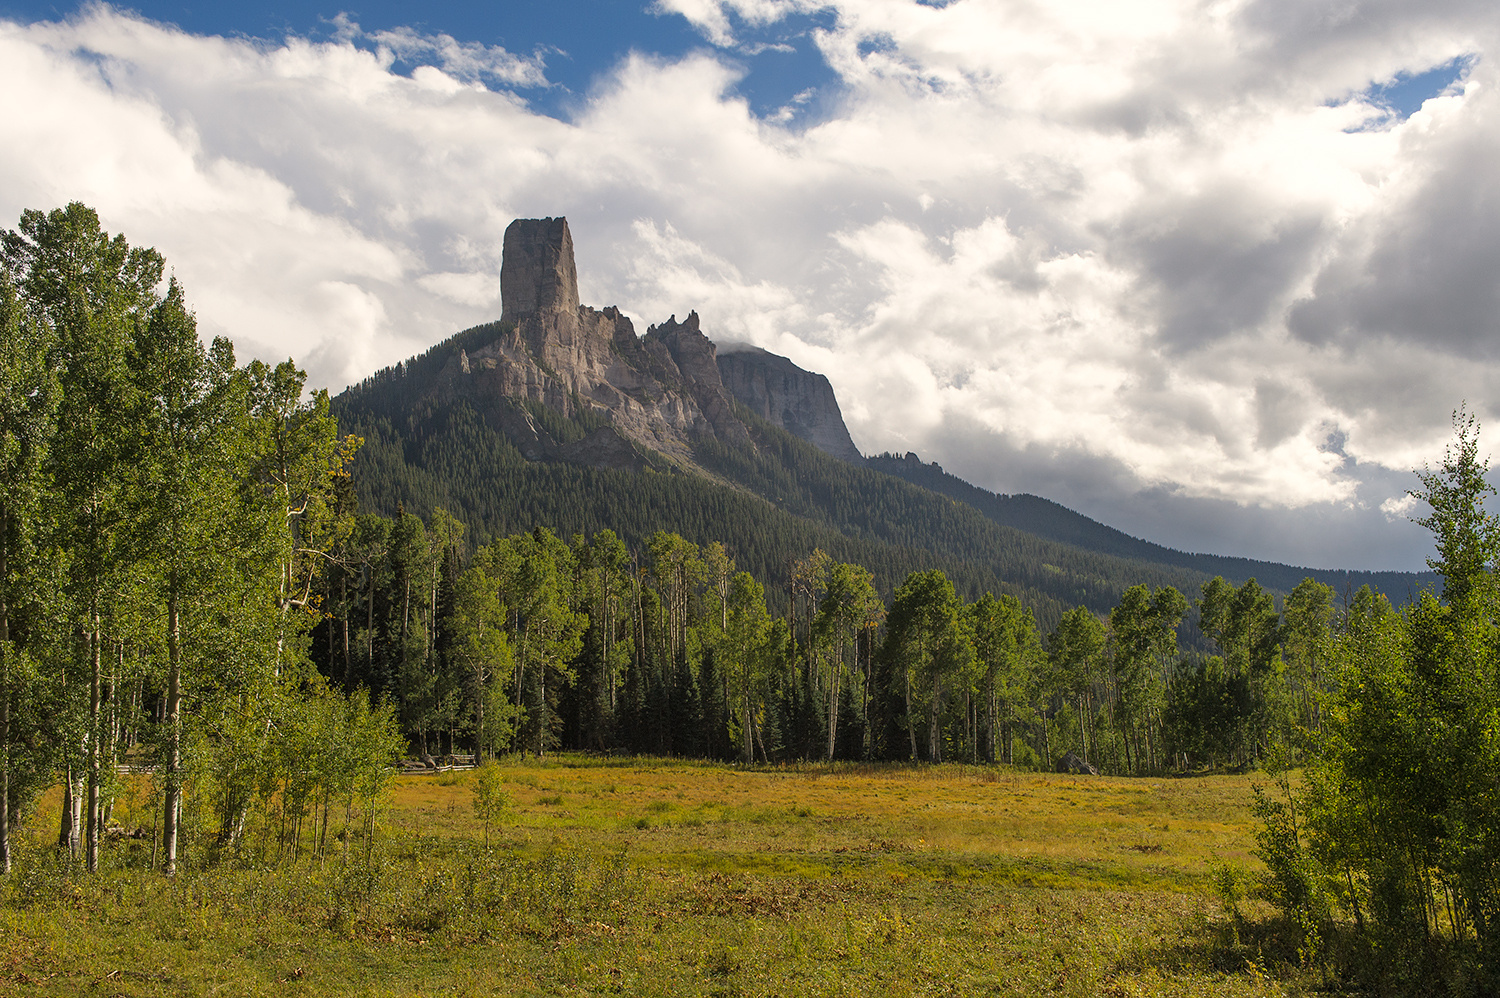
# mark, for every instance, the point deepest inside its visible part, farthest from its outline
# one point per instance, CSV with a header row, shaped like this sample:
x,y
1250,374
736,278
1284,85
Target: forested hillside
x,y
426,449
771,503
1056,522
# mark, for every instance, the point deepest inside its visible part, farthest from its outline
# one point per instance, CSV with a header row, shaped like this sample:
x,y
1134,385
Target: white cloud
x,y
712,17
707,16
476,289
1163,260
1398,507
469,61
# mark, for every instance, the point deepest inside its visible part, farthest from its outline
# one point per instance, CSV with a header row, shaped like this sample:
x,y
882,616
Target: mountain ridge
x,y
557,382
1046,518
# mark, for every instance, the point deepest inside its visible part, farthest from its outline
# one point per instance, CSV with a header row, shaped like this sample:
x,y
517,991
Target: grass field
x,y
659,877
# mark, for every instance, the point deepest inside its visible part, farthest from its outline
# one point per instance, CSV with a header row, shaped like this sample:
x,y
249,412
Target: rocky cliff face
x,y
800,402
564,381
661,392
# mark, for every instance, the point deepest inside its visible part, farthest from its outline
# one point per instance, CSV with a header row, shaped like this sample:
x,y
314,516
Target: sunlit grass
x,y
1072,831
664,877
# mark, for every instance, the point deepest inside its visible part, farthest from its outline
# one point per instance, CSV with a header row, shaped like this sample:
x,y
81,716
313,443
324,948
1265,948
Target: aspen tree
x,y
849,604
91,290
28,403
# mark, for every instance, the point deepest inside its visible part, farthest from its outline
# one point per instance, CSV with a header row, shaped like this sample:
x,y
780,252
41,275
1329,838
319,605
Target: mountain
x,y
560,415
1051,520
641,399
783,394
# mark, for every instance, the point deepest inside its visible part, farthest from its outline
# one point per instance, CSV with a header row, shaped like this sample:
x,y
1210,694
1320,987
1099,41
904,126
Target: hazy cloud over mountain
x,y
1215,273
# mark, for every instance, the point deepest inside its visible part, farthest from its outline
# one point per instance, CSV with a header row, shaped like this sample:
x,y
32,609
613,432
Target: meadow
x,y
656,877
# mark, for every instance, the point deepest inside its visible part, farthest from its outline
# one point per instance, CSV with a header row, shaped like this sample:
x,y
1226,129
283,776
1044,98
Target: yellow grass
x,y
662,877
1066,831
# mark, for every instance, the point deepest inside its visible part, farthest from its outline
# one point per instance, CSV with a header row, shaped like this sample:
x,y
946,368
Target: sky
x,y
1214,273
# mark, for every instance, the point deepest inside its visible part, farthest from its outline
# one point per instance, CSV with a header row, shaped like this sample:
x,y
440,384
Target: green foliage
x,y
1143,645
748,660
1013,673
1395,824
490,799
1468,537
928,651
28,405
1294,881
164,516
481,648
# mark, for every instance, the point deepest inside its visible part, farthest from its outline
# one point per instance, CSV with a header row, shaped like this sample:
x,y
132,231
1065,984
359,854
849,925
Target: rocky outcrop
x,y
778,391
695,357
1071,763
562,381
604,448
537,271
660,392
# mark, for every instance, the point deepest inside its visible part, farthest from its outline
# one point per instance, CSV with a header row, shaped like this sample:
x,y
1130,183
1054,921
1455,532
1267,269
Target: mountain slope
x,y
559,415
1045,518
791,498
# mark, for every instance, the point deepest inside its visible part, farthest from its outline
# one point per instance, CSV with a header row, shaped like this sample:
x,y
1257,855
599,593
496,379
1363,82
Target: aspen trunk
x,y
749,732
67,832
4,746
370,625
994,722
172,803
4,698
91,829
934,735
112,725
67,826
479,690
609,627
541,707
972,735
833,700
867,674
344,624
911,728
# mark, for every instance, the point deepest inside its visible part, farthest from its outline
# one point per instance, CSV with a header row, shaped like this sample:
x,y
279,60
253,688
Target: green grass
x,y
627,877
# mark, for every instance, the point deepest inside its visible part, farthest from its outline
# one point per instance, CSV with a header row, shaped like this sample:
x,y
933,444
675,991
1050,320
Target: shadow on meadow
x,y
1273,952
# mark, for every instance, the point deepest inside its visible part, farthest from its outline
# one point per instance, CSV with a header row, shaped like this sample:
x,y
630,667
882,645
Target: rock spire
x,y
537,272
624,400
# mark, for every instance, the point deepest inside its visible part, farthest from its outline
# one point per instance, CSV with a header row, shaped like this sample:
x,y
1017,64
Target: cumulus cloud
x,y
715,18
1179,264
467,61
1399,507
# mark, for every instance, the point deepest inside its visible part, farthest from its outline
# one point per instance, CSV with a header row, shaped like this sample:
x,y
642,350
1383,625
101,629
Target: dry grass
x,y
1065,831
658,877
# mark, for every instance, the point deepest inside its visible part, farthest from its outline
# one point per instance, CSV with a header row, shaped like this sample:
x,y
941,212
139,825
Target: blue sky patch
x,y
579,40
784,68
1404,95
